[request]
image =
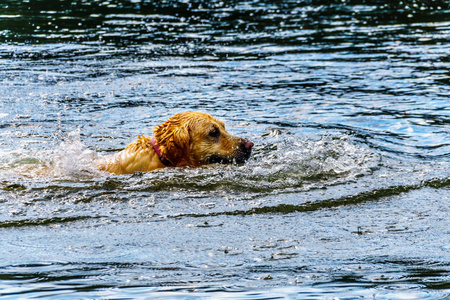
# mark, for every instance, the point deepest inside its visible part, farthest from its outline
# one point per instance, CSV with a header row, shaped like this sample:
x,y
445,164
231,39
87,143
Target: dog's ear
x,y
173,139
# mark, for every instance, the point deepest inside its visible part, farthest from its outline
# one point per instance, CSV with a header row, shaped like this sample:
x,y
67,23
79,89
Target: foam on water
x,y
296,160
70,160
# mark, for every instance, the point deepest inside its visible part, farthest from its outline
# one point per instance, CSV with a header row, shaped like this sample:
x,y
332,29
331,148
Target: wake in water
x,y
293,160
71,160
279,161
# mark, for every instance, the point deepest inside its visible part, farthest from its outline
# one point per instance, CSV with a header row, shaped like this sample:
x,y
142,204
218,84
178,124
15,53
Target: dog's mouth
x,y
214,159
240,159
240,156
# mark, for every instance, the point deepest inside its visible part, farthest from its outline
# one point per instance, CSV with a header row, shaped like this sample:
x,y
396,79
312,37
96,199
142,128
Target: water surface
x,y
347,190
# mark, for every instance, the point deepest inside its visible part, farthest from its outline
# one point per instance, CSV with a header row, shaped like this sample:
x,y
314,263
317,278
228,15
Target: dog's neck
x,y
158,151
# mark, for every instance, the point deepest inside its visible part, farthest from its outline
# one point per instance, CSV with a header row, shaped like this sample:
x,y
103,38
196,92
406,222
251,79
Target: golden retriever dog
x,y
186,139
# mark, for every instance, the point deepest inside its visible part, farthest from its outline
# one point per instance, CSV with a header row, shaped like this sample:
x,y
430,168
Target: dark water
x,y
346,194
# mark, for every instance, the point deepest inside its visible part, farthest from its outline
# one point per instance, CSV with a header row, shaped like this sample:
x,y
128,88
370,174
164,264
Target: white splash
x,y
72,159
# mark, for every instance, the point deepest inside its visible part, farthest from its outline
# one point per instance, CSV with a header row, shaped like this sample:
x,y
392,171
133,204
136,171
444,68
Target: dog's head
x,y
195,139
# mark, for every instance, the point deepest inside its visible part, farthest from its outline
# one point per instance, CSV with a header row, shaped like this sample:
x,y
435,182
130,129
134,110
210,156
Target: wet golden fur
x,y
186,139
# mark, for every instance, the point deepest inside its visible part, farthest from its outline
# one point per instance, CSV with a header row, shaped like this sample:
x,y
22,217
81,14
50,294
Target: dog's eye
x,y
215,132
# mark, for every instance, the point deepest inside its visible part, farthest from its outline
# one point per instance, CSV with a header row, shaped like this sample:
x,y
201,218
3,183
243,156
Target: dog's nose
x,y
248,145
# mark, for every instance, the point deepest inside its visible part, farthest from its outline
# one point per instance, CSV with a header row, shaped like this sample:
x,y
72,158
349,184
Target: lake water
x,y
346,194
